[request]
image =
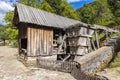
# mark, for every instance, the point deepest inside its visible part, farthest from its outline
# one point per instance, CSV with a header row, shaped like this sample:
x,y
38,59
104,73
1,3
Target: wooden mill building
x,y
45,34
38,30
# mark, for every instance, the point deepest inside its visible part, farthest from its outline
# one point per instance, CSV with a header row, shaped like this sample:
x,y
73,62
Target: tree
x,y
12,33
115,8
68,10
97,12
55,4
62,8
40,4
45,6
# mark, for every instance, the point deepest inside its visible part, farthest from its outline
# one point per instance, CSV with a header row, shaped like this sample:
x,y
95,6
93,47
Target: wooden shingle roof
x,y
99,27
32,15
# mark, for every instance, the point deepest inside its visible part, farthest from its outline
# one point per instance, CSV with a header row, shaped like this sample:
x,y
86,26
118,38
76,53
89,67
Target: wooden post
x,y
89,44
106,36
62,42
96,35
60,37
93,44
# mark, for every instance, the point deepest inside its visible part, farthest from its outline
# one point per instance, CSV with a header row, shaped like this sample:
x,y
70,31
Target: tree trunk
x,y
4,42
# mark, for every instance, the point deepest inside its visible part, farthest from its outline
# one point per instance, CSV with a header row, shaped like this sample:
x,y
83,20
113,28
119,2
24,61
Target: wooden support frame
x,y
62,42
97,39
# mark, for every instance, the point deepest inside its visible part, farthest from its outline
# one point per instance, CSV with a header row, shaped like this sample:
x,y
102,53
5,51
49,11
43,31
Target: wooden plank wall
x,y
40,41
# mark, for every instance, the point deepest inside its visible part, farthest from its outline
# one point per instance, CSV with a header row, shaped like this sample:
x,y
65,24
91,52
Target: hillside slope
x,y
102,12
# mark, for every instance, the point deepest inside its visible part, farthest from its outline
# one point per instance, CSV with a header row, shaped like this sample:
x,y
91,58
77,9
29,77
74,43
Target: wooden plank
x,y
51,41
77,46
89,45
47,35
40,40
62,42
32,42
96,34
105,28
35,32
28,41
106,32
80,36
37,42
81,51
18,41
93,44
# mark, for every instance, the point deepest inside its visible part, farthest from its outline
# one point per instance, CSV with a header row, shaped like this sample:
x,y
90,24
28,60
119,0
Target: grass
x,y
116,62
114,35
99,36
118,71
103,34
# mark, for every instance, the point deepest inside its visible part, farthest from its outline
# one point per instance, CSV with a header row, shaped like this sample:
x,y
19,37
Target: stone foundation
x,y
31,61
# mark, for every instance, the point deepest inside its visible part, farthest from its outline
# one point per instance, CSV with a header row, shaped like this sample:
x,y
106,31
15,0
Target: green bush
x,y
14,43
116,62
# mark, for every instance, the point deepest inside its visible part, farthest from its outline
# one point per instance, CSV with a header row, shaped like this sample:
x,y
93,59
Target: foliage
x,y
3,34
115,8
9,17
60,7
100,36
116,62
45,6
67,10
12,33
102,12
98,12
55,4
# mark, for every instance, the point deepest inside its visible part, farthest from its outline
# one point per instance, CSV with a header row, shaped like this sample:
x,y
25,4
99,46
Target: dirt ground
x,y
111,74
12,69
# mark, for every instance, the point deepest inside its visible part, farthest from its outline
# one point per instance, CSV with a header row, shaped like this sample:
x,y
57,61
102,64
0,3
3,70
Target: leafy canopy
x,y
100,12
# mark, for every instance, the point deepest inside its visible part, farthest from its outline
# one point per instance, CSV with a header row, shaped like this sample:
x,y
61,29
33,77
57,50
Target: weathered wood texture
x,y
40,41
56,65
98,59
79,39
22,31
36,16
22,34
98,27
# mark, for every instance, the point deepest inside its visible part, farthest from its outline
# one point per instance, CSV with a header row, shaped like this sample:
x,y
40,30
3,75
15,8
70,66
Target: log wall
x,y
79,40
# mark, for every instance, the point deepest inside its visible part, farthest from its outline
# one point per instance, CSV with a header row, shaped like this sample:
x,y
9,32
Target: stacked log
x,y
79,40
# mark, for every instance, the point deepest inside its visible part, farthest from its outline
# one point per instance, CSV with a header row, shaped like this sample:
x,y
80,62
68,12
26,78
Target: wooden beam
x,y
93,44
97,40
62,42
106,32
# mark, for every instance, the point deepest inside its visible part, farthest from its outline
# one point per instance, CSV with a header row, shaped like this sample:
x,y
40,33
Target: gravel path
x,y
12,69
